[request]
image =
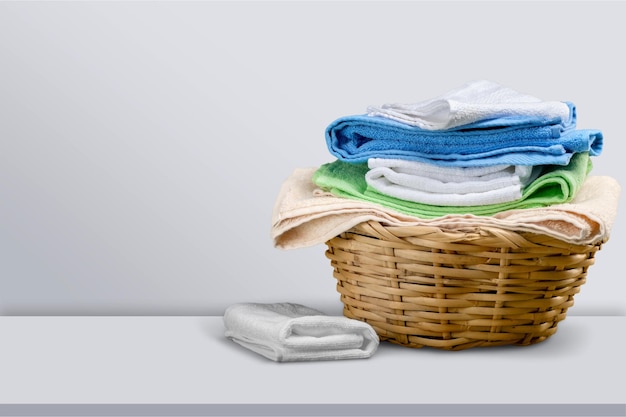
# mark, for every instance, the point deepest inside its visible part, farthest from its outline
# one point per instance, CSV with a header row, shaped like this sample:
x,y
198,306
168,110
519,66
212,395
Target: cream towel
x,y
287,332
472,102
304,215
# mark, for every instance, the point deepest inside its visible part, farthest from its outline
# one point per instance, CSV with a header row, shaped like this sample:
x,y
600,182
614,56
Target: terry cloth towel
x,y
356,139
449,186
287,332
472,102
557,184
304,215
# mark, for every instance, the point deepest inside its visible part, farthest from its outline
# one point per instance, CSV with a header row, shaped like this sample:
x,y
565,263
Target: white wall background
x,y
142,144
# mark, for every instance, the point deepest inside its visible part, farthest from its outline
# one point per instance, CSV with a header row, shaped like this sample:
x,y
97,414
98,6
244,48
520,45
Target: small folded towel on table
x,y
474,101
285,332
355,139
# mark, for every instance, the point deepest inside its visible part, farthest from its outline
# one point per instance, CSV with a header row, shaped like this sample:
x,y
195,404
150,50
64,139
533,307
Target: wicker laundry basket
x,y
454,290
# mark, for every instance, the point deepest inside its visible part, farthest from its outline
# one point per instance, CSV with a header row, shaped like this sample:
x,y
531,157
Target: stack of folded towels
x,y
482,154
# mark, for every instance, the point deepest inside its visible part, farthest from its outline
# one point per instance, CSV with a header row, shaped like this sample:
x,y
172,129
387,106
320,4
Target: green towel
x,y
555,185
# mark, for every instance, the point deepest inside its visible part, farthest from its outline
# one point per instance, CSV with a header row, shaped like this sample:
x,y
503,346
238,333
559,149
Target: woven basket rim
x,y
487,235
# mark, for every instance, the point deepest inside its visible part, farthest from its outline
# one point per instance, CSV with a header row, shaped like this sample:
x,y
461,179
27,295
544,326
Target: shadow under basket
x,y
430,287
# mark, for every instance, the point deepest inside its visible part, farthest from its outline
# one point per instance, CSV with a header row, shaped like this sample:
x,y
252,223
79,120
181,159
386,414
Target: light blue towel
x,y
506,140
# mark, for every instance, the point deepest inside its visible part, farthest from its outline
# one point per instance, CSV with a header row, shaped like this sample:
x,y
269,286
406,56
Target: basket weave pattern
x,y
454,290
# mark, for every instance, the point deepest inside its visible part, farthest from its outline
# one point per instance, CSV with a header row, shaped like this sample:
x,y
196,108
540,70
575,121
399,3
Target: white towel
x,y
449,186
285,332
451,174
472,102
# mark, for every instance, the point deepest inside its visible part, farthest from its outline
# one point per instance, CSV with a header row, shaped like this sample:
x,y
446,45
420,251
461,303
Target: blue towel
x,y
506,140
